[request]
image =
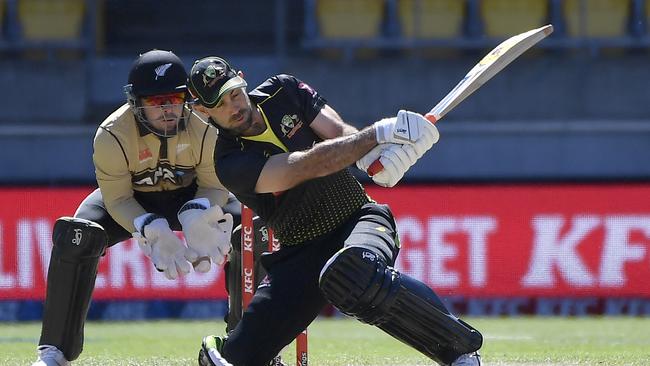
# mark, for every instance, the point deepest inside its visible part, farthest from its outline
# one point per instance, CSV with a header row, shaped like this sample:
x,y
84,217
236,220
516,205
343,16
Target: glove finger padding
x,y
392,173
224,246
191,255
385,179
162,264
171,272
374,154
207,232
182,265
165,249
213,214
142,243
399,156
411,152
223,222
428,139
396,160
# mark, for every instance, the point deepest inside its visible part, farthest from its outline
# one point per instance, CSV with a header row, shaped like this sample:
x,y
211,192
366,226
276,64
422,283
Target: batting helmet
x,y
156,72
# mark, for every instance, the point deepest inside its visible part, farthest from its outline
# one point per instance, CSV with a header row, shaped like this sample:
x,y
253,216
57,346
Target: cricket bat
x,y
490,65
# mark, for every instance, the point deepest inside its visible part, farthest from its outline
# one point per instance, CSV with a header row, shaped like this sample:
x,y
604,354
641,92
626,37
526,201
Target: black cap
x,y
211,78
157,72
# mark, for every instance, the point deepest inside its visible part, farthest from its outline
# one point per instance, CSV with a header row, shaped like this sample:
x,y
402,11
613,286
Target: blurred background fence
x,y
576,109
584,90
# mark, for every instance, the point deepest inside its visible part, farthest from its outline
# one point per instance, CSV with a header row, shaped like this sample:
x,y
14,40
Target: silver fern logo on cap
x,y
162,70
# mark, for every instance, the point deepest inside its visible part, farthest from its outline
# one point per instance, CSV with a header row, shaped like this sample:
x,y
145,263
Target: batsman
x,y
154,166
284,152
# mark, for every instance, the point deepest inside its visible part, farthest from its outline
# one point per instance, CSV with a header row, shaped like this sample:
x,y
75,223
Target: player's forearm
x,y
117,195
217,197
124,210
348,130
287,170
330,156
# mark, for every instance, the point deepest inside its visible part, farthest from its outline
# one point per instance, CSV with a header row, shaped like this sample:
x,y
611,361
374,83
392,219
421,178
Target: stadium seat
x,y
504,18
2,19
431,18
647,14
51,20
603,18
345,19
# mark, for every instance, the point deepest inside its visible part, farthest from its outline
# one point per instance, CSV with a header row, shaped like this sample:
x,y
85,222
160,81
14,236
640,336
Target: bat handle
x,y
376,167
432,118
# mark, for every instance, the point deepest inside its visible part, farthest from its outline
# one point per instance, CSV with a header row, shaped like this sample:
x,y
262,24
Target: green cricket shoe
x,y
210,353
277,361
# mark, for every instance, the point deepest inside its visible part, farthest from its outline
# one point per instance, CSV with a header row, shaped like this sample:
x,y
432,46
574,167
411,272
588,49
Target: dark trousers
x,y
290,299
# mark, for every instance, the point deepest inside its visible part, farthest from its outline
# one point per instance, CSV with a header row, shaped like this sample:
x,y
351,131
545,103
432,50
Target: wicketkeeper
x,y
284,153
155,169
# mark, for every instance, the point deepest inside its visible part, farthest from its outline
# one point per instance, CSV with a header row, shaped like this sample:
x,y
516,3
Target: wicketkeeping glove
x,y
207,232
159,243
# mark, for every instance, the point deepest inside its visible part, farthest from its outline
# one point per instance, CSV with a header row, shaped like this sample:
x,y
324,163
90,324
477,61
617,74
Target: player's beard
x,y
167,123
245,127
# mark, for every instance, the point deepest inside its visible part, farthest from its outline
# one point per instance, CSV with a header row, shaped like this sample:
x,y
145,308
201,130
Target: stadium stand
x,y
59,28
503,18
46,20
597,18
343,19
216,27
645,17
2,18
431,18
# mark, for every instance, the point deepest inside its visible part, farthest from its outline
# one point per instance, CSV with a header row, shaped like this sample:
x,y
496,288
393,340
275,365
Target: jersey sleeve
x,y
308,101
240,171
208,183
114,180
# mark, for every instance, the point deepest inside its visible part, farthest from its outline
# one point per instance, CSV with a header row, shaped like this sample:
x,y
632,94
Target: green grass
x,y
508,341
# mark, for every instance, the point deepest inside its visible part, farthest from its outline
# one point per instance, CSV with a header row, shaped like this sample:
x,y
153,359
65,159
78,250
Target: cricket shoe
x,y
210,353
468,359
277,361
50,356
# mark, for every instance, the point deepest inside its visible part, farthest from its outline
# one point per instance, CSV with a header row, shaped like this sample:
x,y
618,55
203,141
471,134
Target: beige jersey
x,y
129,158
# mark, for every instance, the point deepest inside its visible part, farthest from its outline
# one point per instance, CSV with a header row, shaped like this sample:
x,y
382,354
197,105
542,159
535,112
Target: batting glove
x,y
406,128
396,160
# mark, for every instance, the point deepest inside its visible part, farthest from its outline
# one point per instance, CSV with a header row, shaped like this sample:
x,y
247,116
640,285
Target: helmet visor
x,y
161,114
163,100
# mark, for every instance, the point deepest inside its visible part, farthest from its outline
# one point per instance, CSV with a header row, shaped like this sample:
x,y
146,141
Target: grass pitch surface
x,y
508,341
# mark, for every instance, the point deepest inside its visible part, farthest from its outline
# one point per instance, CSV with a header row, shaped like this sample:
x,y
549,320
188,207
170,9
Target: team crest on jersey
x,y
212,74
144,155
164,172
290,124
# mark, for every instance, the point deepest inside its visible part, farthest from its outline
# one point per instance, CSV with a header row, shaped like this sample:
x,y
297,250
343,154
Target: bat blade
x,y
495,61
490,65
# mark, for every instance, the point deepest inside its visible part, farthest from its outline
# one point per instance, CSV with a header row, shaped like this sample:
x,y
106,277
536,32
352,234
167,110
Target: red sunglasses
x,y
164,99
